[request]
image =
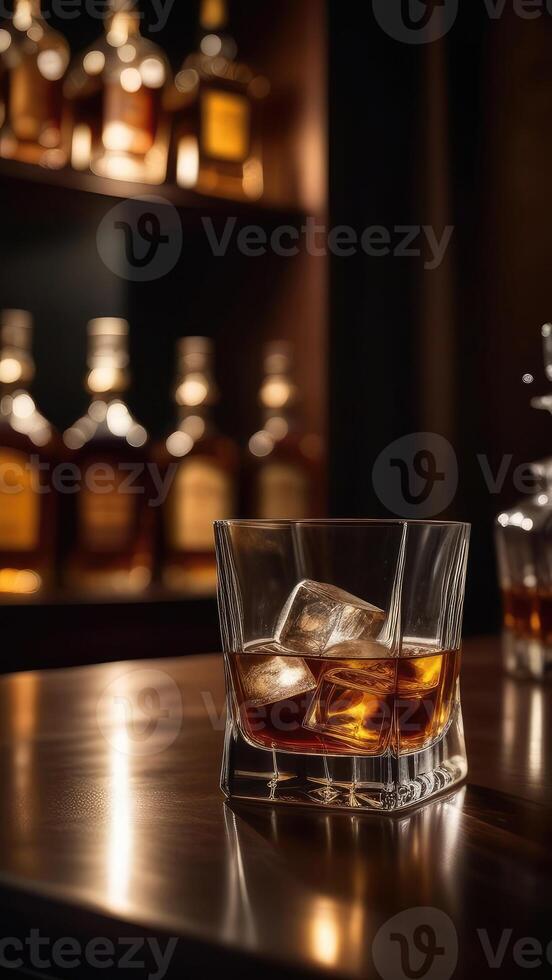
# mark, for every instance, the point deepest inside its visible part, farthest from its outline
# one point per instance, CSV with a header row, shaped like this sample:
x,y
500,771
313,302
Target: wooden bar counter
x,y
117,848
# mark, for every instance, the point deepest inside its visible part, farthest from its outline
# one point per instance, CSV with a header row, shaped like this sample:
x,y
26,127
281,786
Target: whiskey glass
x,y
342,659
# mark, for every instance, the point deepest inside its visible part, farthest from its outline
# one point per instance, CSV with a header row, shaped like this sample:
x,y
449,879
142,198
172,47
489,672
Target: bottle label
x,y
225,126
283,492
129,120
201,493
32,104
19,503
106,520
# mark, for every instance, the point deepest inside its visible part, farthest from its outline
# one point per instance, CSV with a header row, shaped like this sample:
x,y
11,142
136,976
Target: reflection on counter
x,y
343,894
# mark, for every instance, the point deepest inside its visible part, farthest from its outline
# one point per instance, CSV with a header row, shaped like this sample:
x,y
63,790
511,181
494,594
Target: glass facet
x,y
342,656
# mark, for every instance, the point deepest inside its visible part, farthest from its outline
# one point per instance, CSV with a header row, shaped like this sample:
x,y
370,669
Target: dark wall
x,y
453,132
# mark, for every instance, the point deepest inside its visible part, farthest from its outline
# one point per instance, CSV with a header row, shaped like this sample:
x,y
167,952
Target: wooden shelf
x,y
72,630
185,200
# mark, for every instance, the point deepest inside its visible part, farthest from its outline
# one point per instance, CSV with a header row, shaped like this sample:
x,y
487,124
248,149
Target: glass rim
x,y
336,522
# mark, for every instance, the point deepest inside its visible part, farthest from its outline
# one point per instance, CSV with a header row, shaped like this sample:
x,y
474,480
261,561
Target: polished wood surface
x,y
112,824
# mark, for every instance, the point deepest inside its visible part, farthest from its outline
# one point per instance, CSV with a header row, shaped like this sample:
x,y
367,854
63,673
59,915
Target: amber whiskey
x,y
284,461
114,93
112,520
334,706
204,469
215,105
28,450
33,61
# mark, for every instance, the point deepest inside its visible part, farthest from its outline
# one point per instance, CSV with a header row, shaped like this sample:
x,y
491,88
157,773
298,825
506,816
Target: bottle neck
x,y
108,375
195,395
277,397
214,37
17,367
25,11
213,16
122,23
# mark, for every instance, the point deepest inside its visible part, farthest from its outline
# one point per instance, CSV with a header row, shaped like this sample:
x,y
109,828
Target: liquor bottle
x,y
284,461
215,102
204,465
27,449
33,61
524,549
114,93
111,522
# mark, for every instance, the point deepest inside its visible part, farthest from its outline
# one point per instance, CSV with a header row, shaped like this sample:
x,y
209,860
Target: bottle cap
x,y
107,354
278,357
195,361
194,353
16,328
16,331
213,14
109,326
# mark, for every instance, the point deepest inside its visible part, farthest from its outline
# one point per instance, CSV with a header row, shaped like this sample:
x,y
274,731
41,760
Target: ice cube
x,y
267,679
419,674
318,616
355,706
357,650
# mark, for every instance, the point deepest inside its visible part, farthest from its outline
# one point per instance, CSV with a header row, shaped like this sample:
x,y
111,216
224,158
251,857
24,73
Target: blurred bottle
x,y
28,449
203,484
112,520
33,61
523,537
215,103
284,460
114,92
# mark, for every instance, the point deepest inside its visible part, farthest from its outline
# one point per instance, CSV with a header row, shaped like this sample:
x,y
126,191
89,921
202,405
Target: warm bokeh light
x,y
23,405
179,443
51,64
118,419
10,370
131,80
102,379
152,71
81,147
261,444
193,390
187,164
17,581
94,62
276,392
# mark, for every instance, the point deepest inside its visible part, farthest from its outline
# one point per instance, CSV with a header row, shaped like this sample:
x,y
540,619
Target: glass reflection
x,y
524,723
328,907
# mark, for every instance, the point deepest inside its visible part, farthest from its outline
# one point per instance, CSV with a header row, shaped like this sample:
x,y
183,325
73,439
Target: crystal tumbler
x,y
342,659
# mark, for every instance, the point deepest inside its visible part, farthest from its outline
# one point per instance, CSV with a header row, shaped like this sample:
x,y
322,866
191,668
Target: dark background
x,y
455,132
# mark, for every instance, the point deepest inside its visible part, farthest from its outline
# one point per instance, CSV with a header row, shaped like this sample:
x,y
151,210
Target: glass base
x,y
383,783
528,658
